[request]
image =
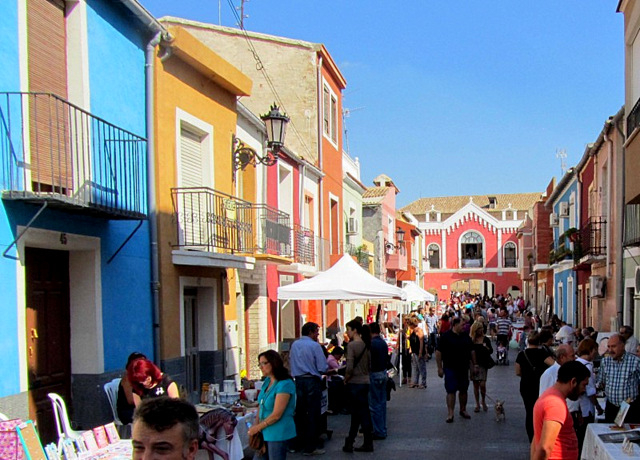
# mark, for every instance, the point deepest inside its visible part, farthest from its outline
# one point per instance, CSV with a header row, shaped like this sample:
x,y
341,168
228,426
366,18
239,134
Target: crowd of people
x,y
556,365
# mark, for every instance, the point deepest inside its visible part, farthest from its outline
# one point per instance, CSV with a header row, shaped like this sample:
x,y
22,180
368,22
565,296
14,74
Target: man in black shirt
x,y
378,382
453,357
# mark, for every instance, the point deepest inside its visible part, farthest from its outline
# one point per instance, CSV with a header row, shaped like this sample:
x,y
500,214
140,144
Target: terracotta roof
x,y
450,204
374,195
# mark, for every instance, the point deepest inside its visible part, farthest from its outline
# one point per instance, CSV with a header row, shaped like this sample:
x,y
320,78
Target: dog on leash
x,y
499,409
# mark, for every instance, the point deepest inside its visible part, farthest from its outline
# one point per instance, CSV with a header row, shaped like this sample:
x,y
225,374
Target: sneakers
x,y
315,452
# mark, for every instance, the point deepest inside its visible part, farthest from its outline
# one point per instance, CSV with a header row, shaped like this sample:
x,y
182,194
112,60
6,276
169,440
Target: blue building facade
x,y
564,219
75,267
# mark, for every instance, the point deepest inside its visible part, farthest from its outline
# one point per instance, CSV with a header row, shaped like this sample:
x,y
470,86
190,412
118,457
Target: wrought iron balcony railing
x,y
304,246
510,262
632,225
633,120
592,239
274,230
54,151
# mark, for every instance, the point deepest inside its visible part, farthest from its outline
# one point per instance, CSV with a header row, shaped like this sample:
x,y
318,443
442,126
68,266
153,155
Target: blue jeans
x,y
378,402
276,450
307,415
418,369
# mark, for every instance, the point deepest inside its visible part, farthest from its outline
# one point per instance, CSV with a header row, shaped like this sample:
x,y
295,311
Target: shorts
x,y
456,380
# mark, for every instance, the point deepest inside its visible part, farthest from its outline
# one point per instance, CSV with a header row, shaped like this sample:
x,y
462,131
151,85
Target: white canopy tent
x,y
346,280
416,294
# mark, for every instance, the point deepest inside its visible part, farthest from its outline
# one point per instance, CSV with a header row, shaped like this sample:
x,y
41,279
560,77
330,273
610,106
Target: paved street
x,y
417,428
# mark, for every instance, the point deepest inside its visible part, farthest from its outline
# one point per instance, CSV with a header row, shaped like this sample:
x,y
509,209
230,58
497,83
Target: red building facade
x,y
471,242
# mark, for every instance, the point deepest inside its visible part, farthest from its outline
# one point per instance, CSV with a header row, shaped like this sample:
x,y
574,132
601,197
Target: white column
x,y
499,250
443,246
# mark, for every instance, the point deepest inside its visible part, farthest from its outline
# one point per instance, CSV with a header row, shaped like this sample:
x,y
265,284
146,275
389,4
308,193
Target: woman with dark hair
x,y
276,404
149,382
124,403
357,380
530,365
481,355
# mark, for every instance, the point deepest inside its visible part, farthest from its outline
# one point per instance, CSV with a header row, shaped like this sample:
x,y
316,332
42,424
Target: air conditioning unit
x,y
596,286
564,209
352,226
637,283
553,220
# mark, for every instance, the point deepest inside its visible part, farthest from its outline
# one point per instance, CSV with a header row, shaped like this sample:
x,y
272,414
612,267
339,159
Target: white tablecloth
x,y
596,449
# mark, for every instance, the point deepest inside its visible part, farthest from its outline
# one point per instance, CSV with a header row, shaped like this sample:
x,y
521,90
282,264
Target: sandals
x,y
465,415
449,420
477,409
421,387
484,407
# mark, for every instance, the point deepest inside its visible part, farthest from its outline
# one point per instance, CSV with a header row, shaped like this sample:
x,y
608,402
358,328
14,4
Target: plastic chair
x,y
63,424
111,389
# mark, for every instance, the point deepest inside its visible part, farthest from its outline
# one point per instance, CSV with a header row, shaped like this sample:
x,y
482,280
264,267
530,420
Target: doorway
x,y
48,334
192,362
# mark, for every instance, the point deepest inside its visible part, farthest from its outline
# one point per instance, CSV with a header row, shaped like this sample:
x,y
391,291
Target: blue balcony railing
x,y
54,151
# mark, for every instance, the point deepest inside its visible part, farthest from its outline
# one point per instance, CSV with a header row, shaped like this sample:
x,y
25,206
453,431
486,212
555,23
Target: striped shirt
x,y
504,325
620,379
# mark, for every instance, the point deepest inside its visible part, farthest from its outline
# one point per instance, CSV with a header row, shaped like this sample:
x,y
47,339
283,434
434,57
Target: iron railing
x,y
510,262
360,253
52,150
632,225
274,230
304,250
212,221
633,120
592,239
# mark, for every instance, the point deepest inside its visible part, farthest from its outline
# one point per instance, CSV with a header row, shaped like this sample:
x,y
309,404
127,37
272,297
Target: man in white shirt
x,y
631,342
564,354
566,334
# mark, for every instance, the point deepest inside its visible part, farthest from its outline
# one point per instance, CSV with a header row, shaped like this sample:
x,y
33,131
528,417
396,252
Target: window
x,y
509,254
433,256
471,250
330,113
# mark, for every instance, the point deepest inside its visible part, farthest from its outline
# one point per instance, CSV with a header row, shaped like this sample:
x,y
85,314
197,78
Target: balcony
x,y
510,262
304,251
211,221
470,263
397,260
361,254
55,153
560,250
631,225
590,245
633,120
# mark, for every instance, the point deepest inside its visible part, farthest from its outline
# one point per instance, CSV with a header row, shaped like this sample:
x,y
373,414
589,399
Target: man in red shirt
x,y
554,436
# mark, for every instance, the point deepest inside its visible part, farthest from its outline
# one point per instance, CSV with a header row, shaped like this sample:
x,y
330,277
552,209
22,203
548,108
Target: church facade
x,y
471,242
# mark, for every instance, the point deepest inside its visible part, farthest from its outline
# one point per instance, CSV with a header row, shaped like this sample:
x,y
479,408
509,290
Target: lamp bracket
x,y
243,155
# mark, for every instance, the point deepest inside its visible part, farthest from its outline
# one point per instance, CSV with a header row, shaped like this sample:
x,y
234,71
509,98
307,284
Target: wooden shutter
x,y
49,126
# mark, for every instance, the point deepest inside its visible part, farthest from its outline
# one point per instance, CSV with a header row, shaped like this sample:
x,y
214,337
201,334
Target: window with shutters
x,y
330,114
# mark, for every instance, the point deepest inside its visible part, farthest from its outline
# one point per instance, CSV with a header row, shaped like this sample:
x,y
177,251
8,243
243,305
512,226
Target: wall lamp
x,y
399,239
276,124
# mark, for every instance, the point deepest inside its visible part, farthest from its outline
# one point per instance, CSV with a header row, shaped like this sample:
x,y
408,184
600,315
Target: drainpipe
x,y
609,156
320,163
621,199
151,193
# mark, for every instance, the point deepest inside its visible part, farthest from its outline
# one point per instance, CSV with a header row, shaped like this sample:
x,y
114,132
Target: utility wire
x,y
261,68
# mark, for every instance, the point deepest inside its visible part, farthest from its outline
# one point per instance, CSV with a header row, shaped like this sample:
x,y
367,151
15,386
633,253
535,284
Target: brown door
x,y
51,168
48,335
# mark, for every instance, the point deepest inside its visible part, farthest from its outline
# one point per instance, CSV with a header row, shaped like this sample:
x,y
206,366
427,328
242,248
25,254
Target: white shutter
x,y
191,161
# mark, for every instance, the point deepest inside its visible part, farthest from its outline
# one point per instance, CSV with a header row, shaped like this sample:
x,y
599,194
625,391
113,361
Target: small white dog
x,y
499,408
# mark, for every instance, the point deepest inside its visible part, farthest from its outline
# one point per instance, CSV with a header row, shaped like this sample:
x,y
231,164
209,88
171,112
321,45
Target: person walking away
x,y
276,405
453,358
503,326
619,377
588,402
357,379
481,354
378,382
308,363
530,365
554,436
418,355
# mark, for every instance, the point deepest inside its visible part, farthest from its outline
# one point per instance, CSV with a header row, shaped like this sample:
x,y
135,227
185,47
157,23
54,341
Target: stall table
x,y
595,448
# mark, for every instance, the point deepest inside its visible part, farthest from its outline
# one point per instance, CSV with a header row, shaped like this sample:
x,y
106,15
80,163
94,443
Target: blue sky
x,y
456,97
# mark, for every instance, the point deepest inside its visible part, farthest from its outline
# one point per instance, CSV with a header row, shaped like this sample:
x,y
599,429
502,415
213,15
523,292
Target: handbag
x,y
489,362
256,442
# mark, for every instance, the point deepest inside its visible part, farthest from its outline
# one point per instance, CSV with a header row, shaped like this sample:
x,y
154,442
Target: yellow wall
x,y
206,87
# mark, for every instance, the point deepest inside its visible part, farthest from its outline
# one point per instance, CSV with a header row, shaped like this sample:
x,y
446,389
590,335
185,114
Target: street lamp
x,y
276,124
